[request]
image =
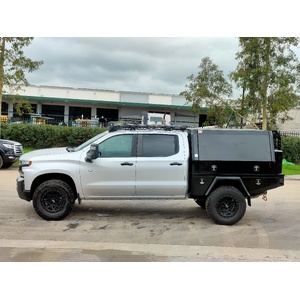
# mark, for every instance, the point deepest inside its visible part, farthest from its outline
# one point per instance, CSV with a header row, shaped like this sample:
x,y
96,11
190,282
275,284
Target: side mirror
x,y
93,153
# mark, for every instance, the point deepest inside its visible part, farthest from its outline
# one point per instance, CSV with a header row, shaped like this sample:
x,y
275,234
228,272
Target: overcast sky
x,y
154,65
122,45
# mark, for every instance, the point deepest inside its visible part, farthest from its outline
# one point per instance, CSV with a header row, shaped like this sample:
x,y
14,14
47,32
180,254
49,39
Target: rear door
x,y
161,166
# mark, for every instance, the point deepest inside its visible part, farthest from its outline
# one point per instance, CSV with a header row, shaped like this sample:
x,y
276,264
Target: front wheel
x,y
226,205
53,200
1,161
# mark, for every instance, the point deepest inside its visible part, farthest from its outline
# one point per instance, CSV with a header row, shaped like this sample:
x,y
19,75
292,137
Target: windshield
x,y
90,141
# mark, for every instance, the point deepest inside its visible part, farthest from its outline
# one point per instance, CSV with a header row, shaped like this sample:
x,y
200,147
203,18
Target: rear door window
x,y
157,145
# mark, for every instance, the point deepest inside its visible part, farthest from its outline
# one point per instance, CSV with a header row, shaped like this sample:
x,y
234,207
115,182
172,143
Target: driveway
x,y
158,231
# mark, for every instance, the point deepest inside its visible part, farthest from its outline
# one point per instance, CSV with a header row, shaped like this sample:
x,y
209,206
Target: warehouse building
x,y
65,105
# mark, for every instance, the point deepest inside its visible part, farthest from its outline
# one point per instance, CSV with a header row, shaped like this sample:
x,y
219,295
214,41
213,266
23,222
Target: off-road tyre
x,y
1,161
226,205
201,202
53,200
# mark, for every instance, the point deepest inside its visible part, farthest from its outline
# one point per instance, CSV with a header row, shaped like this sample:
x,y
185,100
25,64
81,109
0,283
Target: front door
x,y
112,174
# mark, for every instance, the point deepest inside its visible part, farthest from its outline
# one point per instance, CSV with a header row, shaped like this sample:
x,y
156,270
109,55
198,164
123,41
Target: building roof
x,y
98,96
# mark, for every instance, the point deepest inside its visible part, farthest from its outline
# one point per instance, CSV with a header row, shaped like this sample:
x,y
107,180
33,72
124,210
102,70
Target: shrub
x,y
291,149
48,136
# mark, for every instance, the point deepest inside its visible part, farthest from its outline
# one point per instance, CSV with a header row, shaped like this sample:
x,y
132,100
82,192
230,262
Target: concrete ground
x,y
149,231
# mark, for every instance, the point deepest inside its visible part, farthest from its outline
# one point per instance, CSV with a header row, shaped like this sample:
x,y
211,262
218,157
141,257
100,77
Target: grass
x,y
28,149
291,169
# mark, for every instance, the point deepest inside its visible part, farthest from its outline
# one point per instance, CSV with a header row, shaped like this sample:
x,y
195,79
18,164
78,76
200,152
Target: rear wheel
x,y
226,205
53,200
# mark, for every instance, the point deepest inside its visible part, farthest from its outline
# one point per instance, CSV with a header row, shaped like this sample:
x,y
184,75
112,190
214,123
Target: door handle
x,y
176,164
126,164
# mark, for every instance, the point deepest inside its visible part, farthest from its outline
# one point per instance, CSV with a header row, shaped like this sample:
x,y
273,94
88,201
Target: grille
x,y
18,149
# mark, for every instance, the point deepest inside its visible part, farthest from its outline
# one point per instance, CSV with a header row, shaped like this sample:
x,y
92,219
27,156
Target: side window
x,y
117,146
158,145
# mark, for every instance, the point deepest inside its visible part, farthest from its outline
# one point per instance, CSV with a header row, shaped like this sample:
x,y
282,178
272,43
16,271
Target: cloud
x,y
145,64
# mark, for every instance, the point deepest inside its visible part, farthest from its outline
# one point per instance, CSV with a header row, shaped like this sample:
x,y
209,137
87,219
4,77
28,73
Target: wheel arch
x,y
229,181
59,176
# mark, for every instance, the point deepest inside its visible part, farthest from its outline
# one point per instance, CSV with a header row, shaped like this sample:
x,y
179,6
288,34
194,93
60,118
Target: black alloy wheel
x,y
53,200
226,205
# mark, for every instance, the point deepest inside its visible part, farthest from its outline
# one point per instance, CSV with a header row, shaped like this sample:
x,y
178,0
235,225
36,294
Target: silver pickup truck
x,y
222,170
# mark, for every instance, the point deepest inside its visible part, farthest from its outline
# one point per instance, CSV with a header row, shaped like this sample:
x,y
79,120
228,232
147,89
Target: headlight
x,y
22,164
25,163
10,146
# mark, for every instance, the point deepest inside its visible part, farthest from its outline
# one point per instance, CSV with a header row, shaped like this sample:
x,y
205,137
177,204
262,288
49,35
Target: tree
x,y
268,74
14,64
209,88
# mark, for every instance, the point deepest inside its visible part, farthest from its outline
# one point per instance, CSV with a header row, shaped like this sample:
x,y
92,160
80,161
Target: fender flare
x,y
240,182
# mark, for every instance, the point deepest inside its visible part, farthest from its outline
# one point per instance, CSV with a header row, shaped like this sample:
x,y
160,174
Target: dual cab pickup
x,y
222,170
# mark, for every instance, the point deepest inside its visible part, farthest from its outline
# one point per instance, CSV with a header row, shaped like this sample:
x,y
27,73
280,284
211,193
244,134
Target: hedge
x,y
47,136
291,149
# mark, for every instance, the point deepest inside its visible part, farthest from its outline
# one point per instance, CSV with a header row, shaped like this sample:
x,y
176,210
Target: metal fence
x,y
290,133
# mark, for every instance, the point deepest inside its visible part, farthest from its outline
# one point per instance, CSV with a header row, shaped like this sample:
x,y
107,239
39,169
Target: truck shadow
x,y
141,209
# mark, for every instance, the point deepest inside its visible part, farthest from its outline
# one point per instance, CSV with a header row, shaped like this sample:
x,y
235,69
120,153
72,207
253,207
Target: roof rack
x,y
146,127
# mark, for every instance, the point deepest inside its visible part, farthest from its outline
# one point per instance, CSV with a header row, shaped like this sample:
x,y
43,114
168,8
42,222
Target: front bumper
x,y
10,158
23,194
